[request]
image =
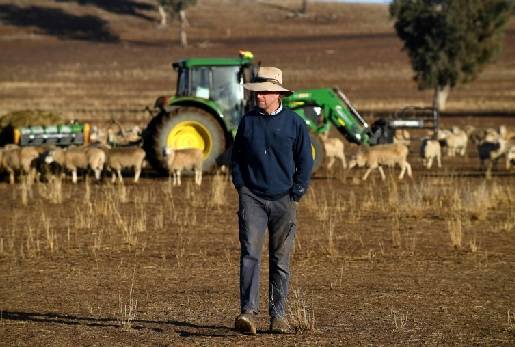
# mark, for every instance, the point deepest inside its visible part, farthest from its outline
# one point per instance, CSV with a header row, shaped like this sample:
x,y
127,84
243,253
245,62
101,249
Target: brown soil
x,y
374,262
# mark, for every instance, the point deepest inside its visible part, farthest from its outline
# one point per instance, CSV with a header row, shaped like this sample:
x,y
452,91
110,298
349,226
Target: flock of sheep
x,y
32,162
491,145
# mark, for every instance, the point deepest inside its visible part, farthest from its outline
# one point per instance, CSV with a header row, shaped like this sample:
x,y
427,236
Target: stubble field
x,y
424,261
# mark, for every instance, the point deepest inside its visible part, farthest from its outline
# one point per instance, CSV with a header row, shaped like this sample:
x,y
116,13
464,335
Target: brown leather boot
x,y
244,323
279,326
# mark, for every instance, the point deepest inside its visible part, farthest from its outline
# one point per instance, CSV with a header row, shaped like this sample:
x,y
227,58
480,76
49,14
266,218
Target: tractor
x,y
210,101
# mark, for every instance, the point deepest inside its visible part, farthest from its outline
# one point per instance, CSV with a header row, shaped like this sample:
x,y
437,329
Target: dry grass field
x,y
423,262
427,261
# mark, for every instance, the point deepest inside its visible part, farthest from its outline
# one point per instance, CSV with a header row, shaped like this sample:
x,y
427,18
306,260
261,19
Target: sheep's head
x,y
169,153
55,155
491,136
50,157
443,134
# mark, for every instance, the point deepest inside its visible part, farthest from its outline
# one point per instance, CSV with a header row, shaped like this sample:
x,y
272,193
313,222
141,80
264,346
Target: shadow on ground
x,y
123,7
184,329
58,23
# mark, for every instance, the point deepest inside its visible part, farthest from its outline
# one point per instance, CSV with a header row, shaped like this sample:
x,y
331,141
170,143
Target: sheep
x,y
402,136
97,135
510,156
223,163
120,158
429,150
20,159
387,154
119,136
334,149
491,135
2,166
11,162
510,135
456,141
180,159
75,158
490,152
494,145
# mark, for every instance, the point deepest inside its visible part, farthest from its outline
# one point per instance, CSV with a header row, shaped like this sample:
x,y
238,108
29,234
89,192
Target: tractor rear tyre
x,y
183,127
317,150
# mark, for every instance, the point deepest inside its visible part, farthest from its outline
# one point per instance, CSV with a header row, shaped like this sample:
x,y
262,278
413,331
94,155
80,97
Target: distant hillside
x,y
96,59
130,20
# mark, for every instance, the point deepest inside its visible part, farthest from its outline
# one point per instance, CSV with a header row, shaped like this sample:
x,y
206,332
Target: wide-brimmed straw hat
x,y
268,79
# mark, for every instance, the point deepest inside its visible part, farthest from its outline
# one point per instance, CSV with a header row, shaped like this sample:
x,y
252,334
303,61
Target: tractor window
x,y
200,81
182,85
227,91
222,84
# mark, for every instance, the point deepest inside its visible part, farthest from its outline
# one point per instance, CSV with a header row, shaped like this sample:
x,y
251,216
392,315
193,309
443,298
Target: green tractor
x,y
210,101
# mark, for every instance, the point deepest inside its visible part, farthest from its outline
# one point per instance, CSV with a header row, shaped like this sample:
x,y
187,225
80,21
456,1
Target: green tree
x,y
176,9
450,41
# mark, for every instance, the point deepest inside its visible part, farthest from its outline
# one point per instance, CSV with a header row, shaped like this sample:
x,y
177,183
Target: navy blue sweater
x,y
272,155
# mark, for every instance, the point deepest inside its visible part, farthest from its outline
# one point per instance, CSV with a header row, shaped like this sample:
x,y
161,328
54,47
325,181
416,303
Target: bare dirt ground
x,y
428,261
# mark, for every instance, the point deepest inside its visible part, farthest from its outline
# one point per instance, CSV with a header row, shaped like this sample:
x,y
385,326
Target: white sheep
x,y
334,149
475,135
9,161
387,154
402,136
456,141
491,135
491,152
496,144
117,135
510,156
20,159
75,158
510,135
180,159
429,150
120,158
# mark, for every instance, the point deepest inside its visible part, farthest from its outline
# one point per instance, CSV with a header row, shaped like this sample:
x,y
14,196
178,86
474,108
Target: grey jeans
x,y
255,215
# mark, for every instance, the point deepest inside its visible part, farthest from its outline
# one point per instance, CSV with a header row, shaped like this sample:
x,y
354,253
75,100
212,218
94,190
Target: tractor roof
x,y
194,62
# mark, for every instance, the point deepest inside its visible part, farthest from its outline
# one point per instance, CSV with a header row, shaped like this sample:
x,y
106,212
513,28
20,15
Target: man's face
x,y
268,101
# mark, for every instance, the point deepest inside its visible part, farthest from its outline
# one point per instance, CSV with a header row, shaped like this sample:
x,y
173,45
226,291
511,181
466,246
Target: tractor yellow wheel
x,y
184,127
190,134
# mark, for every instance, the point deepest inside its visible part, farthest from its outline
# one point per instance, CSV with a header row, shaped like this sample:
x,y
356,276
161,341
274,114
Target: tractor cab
x,y
205,112
219,80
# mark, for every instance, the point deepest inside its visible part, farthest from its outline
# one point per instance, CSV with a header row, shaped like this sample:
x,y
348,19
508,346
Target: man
x,y
271,168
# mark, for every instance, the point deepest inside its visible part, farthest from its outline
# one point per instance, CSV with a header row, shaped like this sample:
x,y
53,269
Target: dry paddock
x,y
428,261
423,261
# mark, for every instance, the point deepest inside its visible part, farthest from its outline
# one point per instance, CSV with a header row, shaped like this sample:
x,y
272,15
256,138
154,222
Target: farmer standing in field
x,y
271,168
